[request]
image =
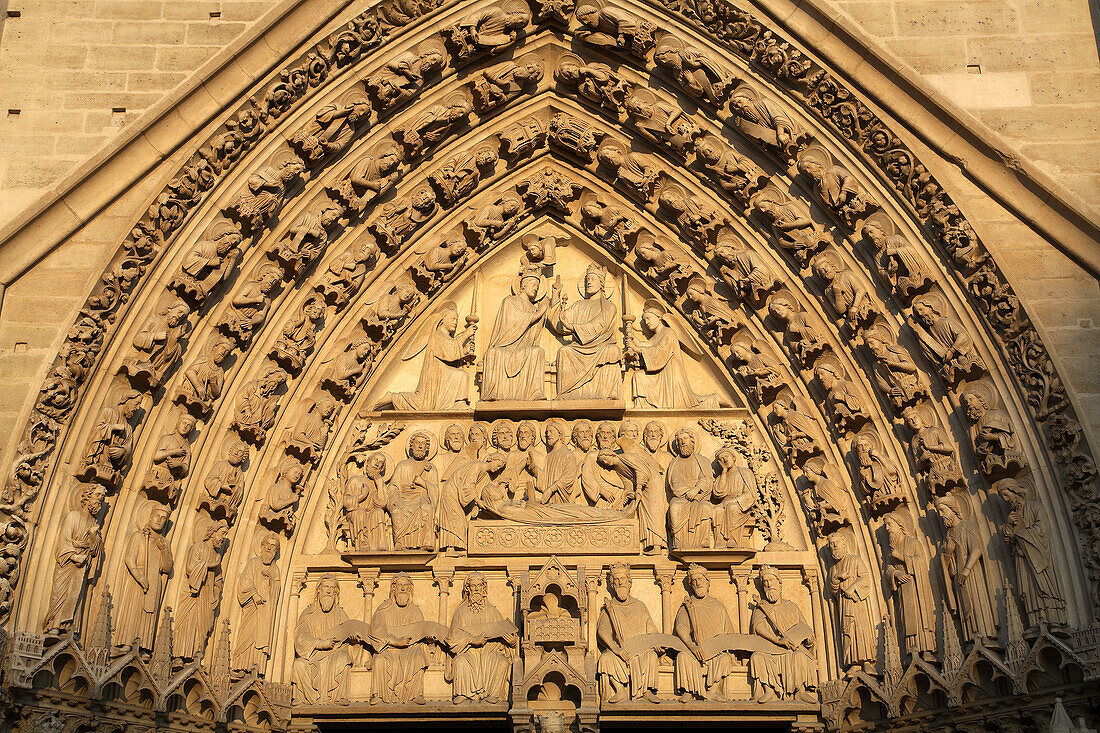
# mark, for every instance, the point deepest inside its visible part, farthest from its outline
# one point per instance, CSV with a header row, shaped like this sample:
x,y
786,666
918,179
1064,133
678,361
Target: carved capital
x,y
665,580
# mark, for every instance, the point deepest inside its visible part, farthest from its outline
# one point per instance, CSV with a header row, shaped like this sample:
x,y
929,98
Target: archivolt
x,y
277,209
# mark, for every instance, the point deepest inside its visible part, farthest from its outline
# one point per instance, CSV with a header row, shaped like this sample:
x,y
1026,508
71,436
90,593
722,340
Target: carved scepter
x,y
628,325
472,320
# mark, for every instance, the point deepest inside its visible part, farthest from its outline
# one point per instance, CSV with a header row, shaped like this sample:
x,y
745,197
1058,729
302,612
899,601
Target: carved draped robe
x,y
651,502
625,620
320,675
1036,582
690,512
735,490
963,545
514,364
700,619
602,486
257,593
588,368
369,524
195,616
398,675
949,343
788,671
79,542
443,383
558,480
850,583
410,503
147,556
479,672
460,489
662,383
915,604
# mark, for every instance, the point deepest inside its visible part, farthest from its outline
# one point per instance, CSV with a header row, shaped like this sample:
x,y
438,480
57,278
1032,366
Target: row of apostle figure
x,y
480,642
588,365
668,485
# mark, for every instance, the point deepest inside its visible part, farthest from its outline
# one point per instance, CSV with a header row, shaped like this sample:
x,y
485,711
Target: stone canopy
x,y
553,363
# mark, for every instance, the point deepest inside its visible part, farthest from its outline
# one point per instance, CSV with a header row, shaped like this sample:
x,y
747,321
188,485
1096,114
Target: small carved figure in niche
x,y
896,373
801,336
346,273
308,441
880,477
493,222
668,273
850,585
158,344
223,483
794,229
266,190
440,262
955,232
458,177
896,259
443,383
841,397
203,382
540,249
690,482
306,239
257,593
996,445
109,445
411,494
595,82
737,174
332,128
633,171
257,405
716,322
521,139
322,638
612,225
824,495
932,452
1025,533
514,364
434,124
386,313
698,220
490,30
847,296
171,461
945,340
761,120
761,372
556,479
907,577
794,430
702,617
364,505
403,76
661,381
373,175
79,543
496,87
399,219
790,672
664,125
624,674
575,135
208,264
282,497
694,71
746,272
614,28
837,187
460,492
588,367
549,188
202,591
398,669
349,366
248,308
964,566
148,561
480,639
601,483
299,335
735,490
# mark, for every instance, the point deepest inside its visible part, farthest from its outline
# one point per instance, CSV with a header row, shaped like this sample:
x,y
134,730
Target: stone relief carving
x,y
444,382
761,371
625,672
398,626
736,174
996,445
333,127
691,513
299,335
842,398
587,368
846,295
836,186
158,345
670,273
696,73
595,82
850,585
575,135
661,381
411,494
322,639
79,545
403,77
635,172
307,238
791,223
493,222
896,259
612,225
258,588
907,568
1037,585
514,362
222,485
824,495
698,220
801,337
257,405
964,566
267,189
500,85
945,340
481,639
932,452
307,441
202,590
664,125
171,460
879,476
614,29
761,120
434,125
346,272
746,272
702,617
710,314
278,509
458,177
398,220
208,264
204,380
490,30
110,443
895,372
795,431
789,671
248,307
373,175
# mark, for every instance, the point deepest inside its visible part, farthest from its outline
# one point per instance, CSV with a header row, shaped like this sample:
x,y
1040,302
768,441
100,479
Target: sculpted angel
x,y
444,384
661,382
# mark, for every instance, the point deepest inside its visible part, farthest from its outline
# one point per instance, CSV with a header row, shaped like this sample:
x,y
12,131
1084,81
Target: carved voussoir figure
x,y
399,219
796,431
347,271
791,223
201,592
257,593
458,177
661,123
696,73
148,561
907,569
669,273
404,75
266,191
846,407
945,340
171,461
996,445
257,405
845,293
333,127
789,672
347,368
208,264
964,565
490,30
896,258
306,239
633,171
493,222
824,496
480,638
222,485
879,475
248,308
496,87
299,335
801,336
761,120
386,313
837,187
698,220
610,224
717,322
895,372
373,175
614,29
762,373
595,82
624,674
79,543
435,124
281,499
851,585
575,135
737,174
203,381
158,344
309,439
1037,585
933,452
746,272
110,443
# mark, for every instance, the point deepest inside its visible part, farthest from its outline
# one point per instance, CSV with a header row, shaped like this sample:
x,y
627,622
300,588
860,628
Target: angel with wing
x,y
443,384
661,381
